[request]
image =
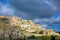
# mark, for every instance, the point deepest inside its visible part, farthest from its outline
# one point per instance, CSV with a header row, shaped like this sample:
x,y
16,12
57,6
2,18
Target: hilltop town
x,y
17,27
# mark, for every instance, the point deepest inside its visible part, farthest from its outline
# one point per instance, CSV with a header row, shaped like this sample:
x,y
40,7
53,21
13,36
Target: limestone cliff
x,y
16,27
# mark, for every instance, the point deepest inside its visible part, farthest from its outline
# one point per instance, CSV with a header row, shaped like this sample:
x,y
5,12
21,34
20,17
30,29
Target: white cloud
x,y
52,5
43,22
6,9
45,25
47,22
37,20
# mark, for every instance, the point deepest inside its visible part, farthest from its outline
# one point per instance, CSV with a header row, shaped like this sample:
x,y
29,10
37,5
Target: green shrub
x,y
34,32
44,37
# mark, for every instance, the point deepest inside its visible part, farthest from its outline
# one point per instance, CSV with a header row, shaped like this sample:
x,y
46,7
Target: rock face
x,y
14,27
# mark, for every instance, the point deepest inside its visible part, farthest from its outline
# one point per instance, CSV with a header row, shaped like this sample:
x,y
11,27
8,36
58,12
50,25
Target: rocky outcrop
x,y
14,28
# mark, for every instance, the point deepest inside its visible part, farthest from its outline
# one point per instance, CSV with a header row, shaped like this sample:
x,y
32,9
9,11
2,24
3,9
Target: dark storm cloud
x,y
57,2
44,12
36,8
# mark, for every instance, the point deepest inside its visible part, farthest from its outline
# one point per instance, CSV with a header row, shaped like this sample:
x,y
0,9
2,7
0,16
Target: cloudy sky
x,y
44,12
